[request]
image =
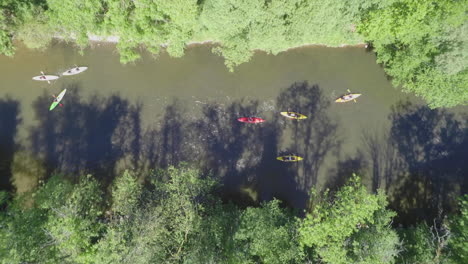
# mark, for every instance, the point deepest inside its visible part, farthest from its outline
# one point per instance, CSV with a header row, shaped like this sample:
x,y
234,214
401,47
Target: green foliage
x,y
3,198
35,33
126,193
75,18
174,218
13,15
215,243
273,26
160,229
268,234
22,239
6,45
345,229
151,23
418,245
376,243
417,41
73,221
458,244
59,226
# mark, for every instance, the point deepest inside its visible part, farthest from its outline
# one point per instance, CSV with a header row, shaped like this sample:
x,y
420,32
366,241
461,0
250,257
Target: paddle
x,y
350,93
44,77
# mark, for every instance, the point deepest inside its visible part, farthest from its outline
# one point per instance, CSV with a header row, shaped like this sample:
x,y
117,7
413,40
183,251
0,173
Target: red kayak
x,y
251,120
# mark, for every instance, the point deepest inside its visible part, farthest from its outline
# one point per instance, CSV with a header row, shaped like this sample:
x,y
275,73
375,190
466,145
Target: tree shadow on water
x,y
84,136
9,121
242,155
313,138
434,146
343,170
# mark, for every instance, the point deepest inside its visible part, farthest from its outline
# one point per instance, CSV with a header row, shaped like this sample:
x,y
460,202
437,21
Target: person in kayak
x,y
69,71
291,114
42,77
250,119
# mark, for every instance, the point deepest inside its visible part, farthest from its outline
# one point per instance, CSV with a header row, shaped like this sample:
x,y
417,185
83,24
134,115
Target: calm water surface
x,y
156,113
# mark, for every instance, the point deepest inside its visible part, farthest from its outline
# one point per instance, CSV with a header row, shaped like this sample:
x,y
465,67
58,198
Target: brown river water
x,y
160,112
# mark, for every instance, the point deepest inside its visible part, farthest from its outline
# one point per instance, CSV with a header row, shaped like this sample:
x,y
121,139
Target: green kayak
x,y
57,100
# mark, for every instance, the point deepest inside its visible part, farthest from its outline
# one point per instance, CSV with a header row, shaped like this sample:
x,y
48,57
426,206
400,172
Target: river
x,y
159,112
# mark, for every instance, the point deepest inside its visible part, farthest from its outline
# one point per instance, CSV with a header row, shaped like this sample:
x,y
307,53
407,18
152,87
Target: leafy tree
x,y
75,18
416,40
348,228
59,225
13,15
74,211
35,32
215,243
268,234
6,45
22,239
161,229
458,244
425,244
151,23
126,194
273,26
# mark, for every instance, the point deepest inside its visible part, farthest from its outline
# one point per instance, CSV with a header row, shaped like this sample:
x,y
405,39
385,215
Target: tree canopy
x,y
175,217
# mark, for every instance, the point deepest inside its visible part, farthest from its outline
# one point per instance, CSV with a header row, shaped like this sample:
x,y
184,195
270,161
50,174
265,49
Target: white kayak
x,y
75,70
45,77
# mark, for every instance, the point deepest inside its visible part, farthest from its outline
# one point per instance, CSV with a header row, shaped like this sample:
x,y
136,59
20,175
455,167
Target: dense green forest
x,y
423,44
176,216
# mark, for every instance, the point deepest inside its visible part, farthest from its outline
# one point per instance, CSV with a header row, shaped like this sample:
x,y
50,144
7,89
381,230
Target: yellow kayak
x,y
293,115
289,158
347,97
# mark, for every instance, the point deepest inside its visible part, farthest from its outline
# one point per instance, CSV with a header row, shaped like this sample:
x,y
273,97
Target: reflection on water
x,y
160,113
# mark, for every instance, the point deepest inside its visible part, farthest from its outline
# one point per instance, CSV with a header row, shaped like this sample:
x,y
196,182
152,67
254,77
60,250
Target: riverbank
x,y
116,39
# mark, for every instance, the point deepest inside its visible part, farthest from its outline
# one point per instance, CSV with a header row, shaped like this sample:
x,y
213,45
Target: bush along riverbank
x,y
422,44
176,217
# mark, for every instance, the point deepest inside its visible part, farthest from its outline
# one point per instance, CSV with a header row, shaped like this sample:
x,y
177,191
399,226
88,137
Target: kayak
x,y
347,97
57,100
75,70
45,77
289,158
251,120
293,115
